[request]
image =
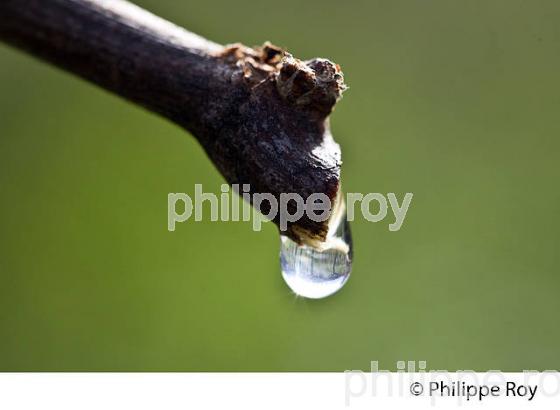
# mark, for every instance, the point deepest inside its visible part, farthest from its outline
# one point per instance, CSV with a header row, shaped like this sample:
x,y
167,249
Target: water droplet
x,y
314,273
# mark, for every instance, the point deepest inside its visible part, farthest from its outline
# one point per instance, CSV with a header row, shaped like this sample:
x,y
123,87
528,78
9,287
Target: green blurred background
x,y
455,101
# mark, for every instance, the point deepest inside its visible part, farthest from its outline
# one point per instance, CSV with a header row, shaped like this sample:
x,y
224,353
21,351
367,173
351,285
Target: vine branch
x,y
260,114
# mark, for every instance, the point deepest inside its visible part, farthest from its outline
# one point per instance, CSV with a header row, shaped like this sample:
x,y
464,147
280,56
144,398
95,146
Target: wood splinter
x,y
260,114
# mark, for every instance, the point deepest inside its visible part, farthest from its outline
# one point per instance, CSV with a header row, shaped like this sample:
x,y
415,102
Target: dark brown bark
x,y
260,114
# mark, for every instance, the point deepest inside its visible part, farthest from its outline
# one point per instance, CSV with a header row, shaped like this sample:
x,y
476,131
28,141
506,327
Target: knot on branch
x,y
316,84
257,64
278,135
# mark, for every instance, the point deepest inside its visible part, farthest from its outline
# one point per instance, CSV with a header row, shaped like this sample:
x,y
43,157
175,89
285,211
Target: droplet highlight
x,y
314,273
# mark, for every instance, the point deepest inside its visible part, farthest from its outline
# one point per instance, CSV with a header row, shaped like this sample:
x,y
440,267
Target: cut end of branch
x,y
283,139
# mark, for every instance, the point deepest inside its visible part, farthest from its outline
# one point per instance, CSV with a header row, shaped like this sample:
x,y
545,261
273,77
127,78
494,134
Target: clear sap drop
x,y
314,273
